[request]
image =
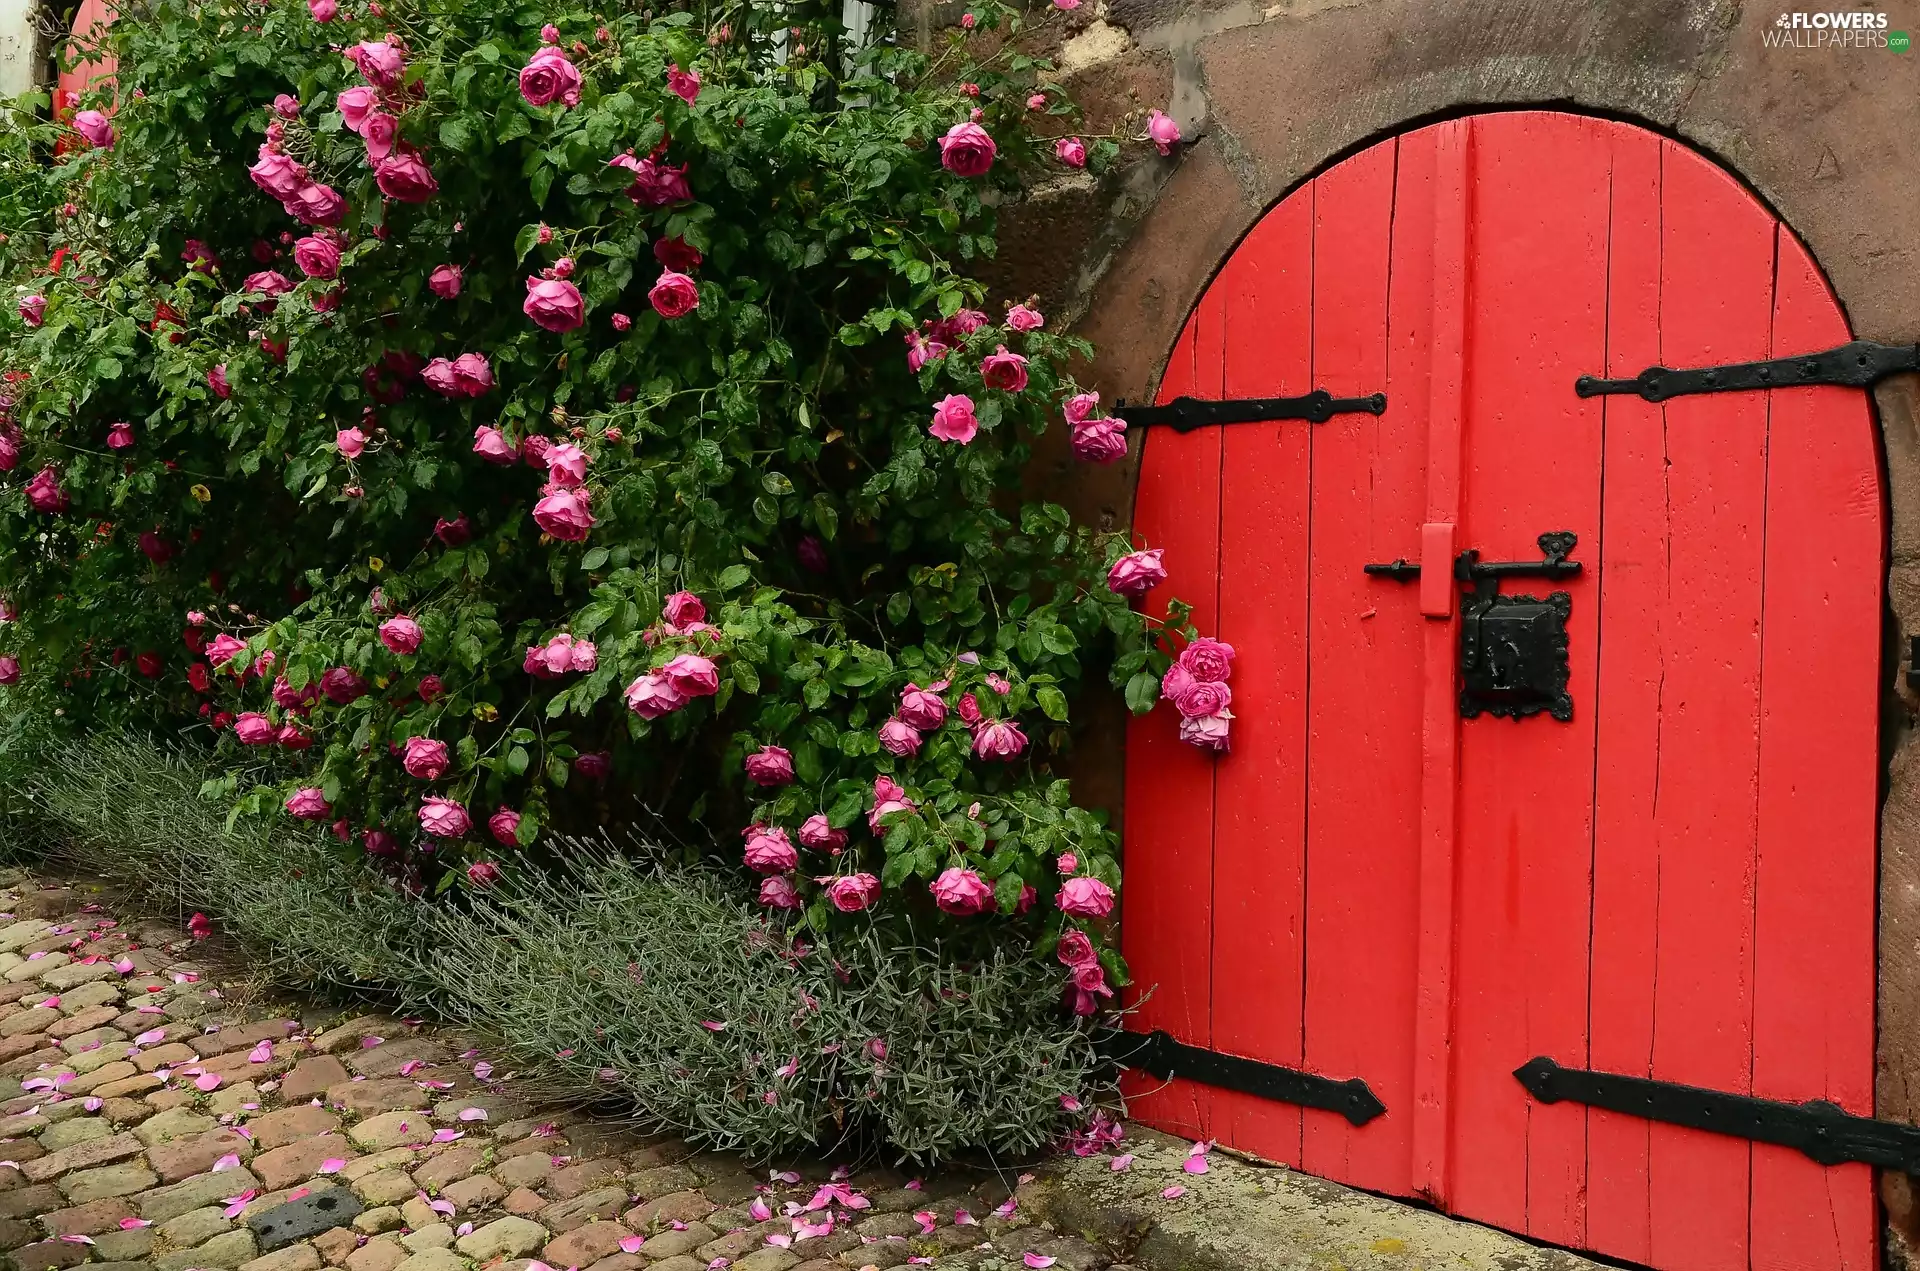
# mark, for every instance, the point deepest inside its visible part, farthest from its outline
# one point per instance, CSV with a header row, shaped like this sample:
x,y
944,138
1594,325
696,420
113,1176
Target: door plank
x,y
1537,320
1716,302
1428,321
1814,905
1363,766
1169,800
1633,591
1267,292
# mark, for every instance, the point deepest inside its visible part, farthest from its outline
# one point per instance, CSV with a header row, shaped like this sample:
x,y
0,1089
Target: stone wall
x,y
1269,94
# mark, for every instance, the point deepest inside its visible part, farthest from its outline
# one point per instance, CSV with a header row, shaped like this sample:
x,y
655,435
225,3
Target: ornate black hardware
x,y
1824,1131
1858,365
1513,649
1161,1055
1401,571
1184,414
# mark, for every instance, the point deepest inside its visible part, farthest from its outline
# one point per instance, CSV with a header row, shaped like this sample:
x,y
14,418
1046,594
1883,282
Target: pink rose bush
x,y
509,476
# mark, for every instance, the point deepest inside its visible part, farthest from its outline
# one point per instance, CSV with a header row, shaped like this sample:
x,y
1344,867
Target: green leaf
x,y
107,368
594,559
454,134
734,576
537,186
1053,702
517,760
1143,690
746,677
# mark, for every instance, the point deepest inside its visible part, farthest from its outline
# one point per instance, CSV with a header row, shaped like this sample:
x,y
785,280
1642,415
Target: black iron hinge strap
x,y
1856,365
1159,1054
1823,1131
1184,414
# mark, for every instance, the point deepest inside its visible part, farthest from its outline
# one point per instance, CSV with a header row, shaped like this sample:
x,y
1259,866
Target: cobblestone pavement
x,y
158,1115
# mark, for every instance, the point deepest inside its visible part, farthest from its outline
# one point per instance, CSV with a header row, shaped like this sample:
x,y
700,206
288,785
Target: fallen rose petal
x,y
926,1220
443,1207
234,1204
482,1070
1006,1210
961,1218
1174,1192
781,1176
1121,1162
78,1240
464,1229
631,1244
1037,1260
713,1025
332,1165
1201,1148
412,1066
368,1043
759,1210
93,1103
207,1081
298,1193
261,1054
473,1114
134,1224
447,1136
1194,1165
227,1162
124,966
914,1184
780,1240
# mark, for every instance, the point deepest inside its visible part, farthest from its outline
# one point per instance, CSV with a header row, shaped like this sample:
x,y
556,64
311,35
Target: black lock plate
x,y
1513,656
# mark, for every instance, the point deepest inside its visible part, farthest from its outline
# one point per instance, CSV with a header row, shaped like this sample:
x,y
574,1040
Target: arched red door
x,y
1677,882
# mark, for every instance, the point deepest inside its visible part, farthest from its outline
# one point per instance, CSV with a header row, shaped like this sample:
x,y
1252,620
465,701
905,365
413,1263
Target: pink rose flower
x,y
921,351
341,686
357,105
287,106
119,436
405,178
560,655
308,803
683,84
95,127
443,818
199,259
350,442
779,892
1000,739
380,843
9,669
323,10
1067,863
317,257
1085,898
550,77
253,729
1208,659
554,304
1071,151
1136,572
504,825
33,310
769,851
1209,732
1003,370
676,254
850,893
818,833
425,758
692,675
961,891
1079,408
674,296
653,695
267,282
379,130
654,184
683,608
564,515
1075,948
473,374
445,281
379,62
967,150
401,634
1100,440
277,174
595,765
567,465
899,738
1163,132
491,444
550,34
621,322
770,766
483,873
44,493
921,708
953,419
316,204
1024,318
1199,698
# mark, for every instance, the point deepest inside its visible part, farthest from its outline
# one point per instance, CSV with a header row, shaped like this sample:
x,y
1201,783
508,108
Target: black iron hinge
x,y
1824,1131
1184,414
1856,365
1159,1054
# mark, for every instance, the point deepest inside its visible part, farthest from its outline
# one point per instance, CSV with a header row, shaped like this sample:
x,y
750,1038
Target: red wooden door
x,y
1676,884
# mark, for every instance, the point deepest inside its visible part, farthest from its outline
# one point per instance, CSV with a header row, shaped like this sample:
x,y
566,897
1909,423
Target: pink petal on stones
x,y
1194,1165
78,1240
298,1193
473,1114
482,1070
134,1224
443,1207
227,1162
447,1135
1039,1260
332,1165
1121,1162
412,1066
631,1244
368,1043
207,1081
759,1210
93,1103
234,1204
465,1229
261,1054
780,1239
1174,1193
151,1036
